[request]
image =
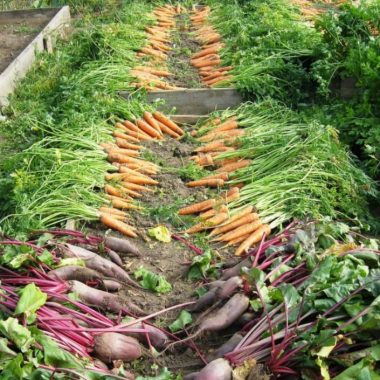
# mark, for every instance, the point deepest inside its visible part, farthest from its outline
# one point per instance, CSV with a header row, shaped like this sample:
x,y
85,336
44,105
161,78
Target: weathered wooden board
x,y
195,101
57,21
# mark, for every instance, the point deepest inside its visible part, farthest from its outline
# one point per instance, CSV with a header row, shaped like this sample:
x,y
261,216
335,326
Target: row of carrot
x,y
152,73
243,227
208,60
134,174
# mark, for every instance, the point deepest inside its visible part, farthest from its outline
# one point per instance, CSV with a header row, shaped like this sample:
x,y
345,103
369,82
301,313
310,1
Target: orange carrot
x,y
111,210
248,218
121,143
223,176
125,170
209,223
148,117
167,130
197,207
234,166
218,209
124,136
160,73
217,81
212,182
203,159
121,204
140,168
240,231
117,217
111,190
154,53
135,186
148,129
127,152
213,62
138,180
222,135
254,238
169,123
117,225
227,125
237,240
211,50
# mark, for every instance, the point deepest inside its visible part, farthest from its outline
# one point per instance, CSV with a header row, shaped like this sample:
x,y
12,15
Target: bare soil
x,y
17,30
184,46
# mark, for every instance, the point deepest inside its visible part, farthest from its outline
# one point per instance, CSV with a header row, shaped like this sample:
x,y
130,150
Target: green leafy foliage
x,y
181,322
152,281
31,299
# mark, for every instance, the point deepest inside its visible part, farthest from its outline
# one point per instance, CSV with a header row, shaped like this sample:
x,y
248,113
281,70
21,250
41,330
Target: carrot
x,y
131,193
248,218
254,238
115,156
214,82
237,240
215,145
213,62
137,161
124,136
127,152
223,176
117,192
121,143
168,131
209,223
197,207
142,169
148,129
240,214
117,217
117,225
110,210
208,214
234,166
154,53
120,203
203,160
222,135
152,121
126,170
135,186
169,123
138,180
211,182
211,50
240,231
160,73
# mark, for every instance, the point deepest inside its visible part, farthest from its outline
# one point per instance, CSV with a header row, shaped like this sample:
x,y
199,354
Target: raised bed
x,y
22,34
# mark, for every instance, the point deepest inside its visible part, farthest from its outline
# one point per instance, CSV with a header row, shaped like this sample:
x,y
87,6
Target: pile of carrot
x,y
152,74
134,174
220,139
244,228
208,60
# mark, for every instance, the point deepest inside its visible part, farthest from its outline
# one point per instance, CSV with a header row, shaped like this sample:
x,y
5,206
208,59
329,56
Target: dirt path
x,y
184,46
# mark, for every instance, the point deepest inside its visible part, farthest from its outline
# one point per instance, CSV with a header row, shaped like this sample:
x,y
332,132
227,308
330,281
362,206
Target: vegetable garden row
x,y
241,247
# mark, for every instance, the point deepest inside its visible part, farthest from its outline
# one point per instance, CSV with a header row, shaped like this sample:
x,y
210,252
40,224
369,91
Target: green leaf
x,y
53,354
17,369
71,261
16,333
31,299
152,281
360,371
183,320
46,257
323,368
160,233
200,266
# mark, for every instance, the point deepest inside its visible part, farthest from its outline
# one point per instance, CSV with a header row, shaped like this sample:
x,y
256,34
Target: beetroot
x,y
114,346
218,369
229,287
121,245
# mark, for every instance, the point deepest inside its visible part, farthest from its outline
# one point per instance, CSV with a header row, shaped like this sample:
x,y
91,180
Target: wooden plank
x,y
23,62
194,101
187,119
